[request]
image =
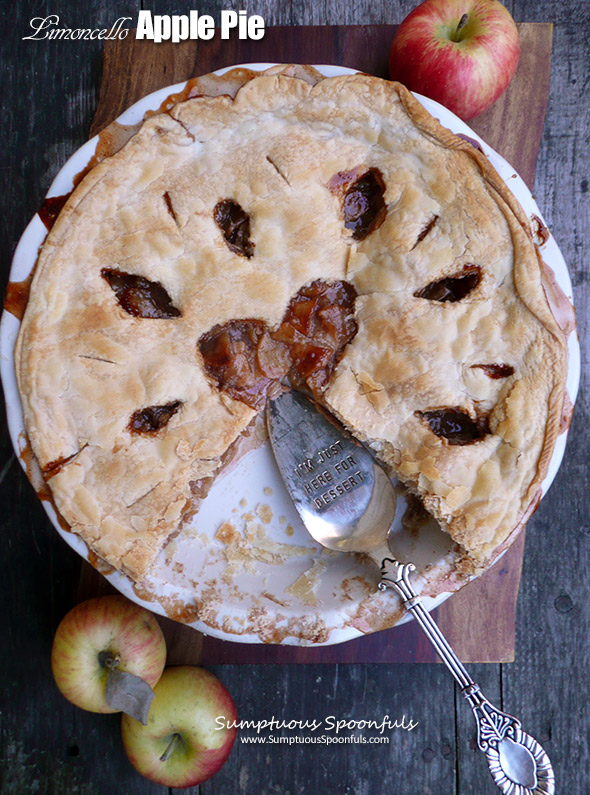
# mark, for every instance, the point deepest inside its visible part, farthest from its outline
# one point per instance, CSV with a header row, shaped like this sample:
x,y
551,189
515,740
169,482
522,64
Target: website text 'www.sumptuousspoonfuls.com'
x,y
321,739
338,731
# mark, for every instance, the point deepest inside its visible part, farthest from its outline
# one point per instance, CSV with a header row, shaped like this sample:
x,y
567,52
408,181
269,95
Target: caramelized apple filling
x,y
139,296
318,324
152,418
455,425
235,225
363,206
452,288
243,360
248,361
496,370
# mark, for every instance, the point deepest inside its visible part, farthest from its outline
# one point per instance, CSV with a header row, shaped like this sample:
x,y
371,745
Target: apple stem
x,y
173,740
109,659
462,22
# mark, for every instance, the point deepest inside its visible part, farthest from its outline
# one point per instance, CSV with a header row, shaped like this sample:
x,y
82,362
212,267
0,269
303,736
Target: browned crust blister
x,y
87,364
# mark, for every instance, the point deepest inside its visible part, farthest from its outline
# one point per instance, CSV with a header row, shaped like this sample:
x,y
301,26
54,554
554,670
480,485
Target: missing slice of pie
x,y
326,228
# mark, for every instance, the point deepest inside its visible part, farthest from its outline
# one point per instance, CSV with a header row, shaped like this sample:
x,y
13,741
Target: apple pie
x,y
328,233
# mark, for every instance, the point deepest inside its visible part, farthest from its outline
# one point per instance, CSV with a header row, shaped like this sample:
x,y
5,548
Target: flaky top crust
x,y
85,365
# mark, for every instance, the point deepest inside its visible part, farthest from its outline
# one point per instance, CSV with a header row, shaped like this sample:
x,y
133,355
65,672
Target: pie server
x,y
347,502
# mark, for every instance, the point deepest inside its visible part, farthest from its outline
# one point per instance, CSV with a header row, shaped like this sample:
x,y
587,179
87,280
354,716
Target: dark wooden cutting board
x,y
479,620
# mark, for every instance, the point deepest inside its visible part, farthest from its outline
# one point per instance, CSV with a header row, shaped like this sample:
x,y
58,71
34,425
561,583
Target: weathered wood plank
x,y
547,684
512,133
481,616
359,692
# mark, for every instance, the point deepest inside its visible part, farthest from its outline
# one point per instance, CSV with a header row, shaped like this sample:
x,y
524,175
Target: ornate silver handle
x,y
517,762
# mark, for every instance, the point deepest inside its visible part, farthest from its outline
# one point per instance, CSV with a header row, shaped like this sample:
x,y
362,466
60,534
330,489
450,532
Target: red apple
x,y
462,53
186,739
109,631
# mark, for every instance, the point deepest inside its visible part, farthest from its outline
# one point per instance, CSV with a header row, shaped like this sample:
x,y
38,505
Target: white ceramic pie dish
x,y
280,587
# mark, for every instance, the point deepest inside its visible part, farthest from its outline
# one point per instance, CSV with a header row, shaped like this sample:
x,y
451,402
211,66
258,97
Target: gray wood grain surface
x,y
49,93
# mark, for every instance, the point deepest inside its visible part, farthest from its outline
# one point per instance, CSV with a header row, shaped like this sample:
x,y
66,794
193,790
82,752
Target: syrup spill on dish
x,y
540,232
101,566
566,413
36,479
110,140
470,140
559,303
51,208
17,296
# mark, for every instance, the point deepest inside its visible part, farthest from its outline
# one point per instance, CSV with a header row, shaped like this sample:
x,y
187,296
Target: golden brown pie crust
x,y
85,365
